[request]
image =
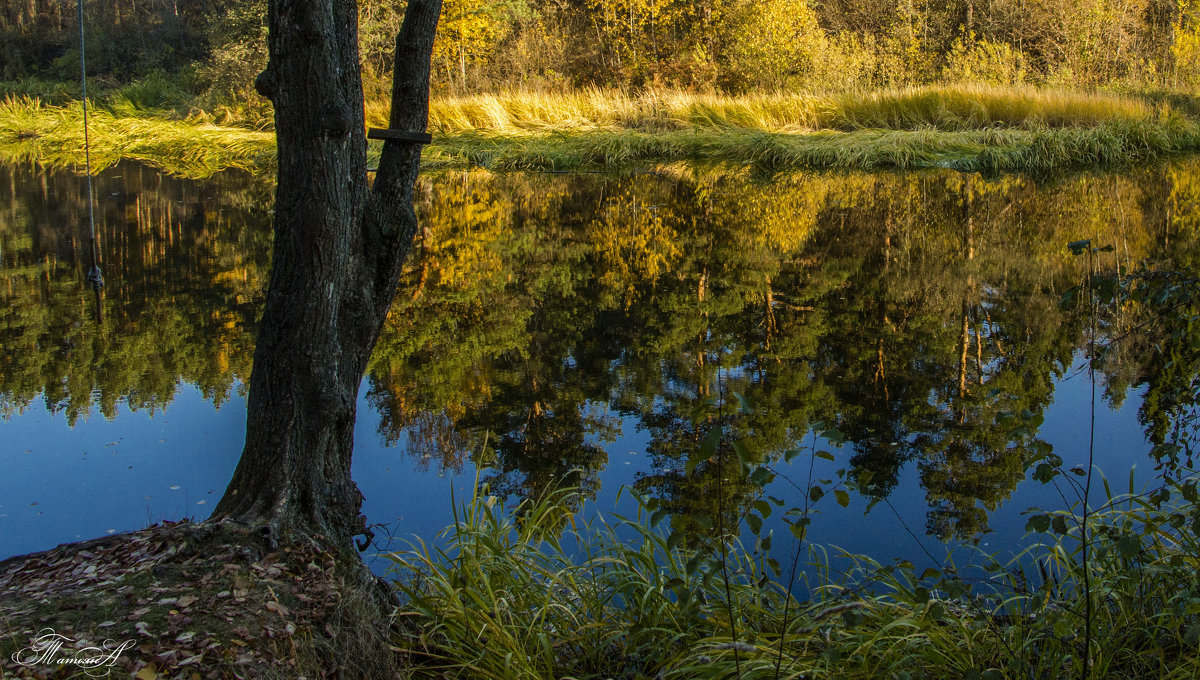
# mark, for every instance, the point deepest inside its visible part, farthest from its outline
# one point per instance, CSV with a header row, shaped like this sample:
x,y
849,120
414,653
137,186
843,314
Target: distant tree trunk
x,y
338,249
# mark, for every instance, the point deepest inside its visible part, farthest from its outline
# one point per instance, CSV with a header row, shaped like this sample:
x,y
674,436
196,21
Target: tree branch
x,y
389,221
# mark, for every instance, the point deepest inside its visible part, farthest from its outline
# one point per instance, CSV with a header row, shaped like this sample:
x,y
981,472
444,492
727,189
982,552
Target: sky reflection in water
x,y
593,328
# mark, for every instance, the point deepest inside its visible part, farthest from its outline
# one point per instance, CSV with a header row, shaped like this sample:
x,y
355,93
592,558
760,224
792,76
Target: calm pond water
x,y
590,330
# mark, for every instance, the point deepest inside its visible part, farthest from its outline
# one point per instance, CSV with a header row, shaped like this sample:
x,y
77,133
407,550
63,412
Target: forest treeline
x,y
213,48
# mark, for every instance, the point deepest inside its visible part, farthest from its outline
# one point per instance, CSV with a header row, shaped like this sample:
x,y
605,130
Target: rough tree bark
x,y
339,246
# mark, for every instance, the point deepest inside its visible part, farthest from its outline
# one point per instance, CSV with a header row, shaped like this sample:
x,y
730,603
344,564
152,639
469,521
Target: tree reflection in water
x,y
918,313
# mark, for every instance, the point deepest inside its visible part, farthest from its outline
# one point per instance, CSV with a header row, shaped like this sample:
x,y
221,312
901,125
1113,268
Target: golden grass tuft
x,y
952,107
54,136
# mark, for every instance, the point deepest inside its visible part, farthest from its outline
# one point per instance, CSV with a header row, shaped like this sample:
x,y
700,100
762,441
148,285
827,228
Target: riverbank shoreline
x,y
213,600
973,129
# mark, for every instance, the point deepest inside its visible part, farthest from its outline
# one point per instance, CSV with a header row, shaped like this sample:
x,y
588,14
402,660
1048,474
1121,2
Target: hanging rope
x,y
94,276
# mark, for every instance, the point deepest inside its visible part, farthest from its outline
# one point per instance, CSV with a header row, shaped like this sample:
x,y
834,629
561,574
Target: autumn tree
x,y
469,32
778,39
339,246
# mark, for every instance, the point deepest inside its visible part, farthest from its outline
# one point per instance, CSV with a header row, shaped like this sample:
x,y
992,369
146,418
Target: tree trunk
x,y
339,245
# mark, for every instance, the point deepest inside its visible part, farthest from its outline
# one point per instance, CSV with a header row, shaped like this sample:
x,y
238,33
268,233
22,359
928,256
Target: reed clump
x,y
535,594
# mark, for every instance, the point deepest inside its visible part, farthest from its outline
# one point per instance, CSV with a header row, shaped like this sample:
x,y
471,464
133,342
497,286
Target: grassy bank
x,y
505,599
964,127
1036,149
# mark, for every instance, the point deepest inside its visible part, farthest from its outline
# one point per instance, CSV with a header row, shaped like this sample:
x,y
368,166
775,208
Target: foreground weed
x,y
536,594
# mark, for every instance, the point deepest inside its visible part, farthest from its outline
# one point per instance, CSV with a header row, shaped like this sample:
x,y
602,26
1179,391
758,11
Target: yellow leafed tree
x,y
1186,47
778,41
468,33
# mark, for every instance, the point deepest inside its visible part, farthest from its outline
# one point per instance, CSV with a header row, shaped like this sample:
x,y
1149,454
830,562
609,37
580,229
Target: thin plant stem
x,y
796,557
1087,487
737,661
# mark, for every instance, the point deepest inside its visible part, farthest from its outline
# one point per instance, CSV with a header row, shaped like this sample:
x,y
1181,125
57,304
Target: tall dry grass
x,y
954,108
54,136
